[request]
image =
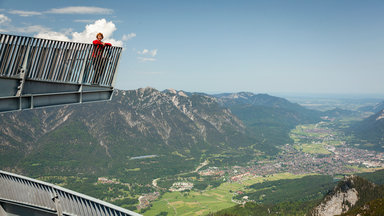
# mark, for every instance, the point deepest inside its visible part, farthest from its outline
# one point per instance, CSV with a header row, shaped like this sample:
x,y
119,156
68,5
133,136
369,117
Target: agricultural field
x,y
314,138
316,148
210,200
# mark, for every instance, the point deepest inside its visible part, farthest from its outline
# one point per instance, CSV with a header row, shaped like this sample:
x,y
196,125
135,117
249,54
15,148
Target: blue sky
x,y
214,46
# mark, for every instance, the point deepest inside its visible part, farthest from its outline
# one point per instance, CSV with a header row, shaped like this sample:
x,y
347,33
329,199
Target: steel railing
x,y
41,196
58,61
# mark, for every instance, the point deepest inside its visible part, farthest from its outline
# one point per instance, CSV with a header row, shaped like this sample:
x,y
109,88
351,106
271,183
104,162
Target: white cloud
x,y
147,52
26,29
145,59
25,13
4,19
84,21
128,36
8,27
32,29
154,52
80,10
89,34
65,10
53,35
151,72
86,36
147,55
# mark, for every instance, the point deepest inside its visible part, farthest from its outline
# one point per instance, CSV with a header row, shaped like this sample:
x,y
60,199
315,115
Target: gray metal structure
x,y
37,72
20,195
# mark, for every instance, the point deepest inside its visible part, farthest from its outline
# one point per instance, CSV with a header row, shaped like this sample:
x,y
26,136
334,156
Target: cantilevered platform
x,y
23,196
37,72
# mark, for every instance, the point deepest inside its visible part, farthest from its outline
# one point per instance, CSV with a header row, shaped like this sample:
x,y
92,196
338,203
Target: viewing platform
x,y
23,196
37,72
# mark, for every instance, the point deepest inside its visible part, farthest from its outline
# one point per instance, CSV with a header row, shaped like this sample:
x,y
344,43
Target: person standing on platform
x,y
99,62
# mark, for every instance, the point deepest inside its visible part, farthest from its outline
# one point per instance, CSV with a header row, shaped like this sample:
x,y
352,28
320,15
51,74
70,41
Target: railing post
x,y
56,200
23,73
2,211
81,77
115,72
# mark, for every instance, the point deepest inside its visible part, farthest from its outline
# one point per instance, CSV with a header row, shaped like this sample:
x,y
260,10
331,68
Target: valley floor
x,y
210,200
317,150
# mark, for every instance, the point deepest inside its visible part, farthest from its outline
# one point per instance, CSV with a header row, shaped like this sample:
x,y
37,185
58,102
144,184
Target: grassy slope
x,y
369,205
211,200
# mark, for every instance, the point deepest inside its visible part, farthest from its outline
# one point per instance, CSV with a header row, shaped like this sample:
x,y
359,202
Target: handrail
x,y
32,193
57,61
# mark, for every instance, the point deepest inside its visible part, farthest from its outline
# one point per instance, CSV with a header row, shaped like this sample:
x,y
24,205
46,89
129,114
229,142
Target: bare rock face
x,y
351,193
340,203
380,115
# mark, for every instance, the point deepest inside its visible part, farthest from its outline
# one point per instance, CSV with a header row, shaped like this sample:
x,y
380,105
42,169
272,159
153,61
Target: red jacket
x,y
99,47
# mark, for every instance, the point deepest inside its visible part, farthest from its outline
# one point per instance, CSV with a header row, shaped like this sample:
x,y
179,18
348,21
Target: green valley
x,y
179,153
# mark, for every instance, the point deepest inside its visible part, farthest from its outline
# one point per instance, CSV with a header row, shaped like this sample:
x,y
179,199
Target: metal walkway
x,y
24,196
37,72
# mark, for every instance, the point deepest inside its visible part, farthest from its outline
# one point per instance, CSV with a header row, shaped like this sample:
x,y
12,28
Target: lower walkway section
x,y
20,195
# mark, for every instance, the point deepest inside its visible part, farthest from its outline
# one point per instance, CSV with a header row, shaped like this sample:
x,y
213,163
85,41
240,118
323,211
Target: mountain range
x,y
266,116
174,130
96,137
369,133
374,108
173,125
338,113
181,129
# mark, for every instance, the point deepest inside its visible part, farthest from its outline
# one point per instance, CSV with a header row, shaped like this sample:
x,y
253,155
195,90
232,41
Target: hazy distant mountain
x,y
267,116
256,100
376,108
293,111
339,113
370,131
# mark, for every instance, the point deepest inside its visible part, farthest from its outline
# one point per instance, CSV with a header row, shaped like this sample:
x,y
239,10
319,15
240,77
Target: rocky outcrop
x,y
351,193
339,203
